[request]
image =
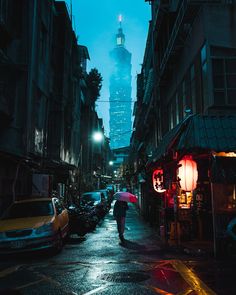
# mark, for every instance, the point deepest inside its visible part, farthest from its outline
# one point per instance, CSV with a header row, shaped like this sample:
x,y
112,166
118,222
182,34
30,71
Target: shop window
x,y
224,197
224,203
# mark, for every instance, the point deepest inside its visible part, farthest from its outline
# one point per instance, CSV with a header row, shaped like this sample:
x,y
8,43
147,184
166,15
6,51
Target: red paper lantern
x,y
188,173
157,181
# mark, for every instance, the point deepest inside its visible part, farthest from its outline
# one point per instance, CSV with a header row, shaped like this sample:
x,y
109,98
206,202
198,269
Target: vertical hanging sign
x,y
157,180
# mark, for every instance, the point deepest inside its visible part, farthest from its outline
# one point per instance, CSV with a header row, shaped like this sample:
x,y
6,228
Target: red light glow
x,y
157,180
188,173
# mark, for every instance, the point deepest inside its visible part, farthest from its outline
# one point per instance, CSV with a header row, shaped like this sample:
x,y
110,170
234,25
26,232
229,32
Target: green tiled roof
x,y
199,133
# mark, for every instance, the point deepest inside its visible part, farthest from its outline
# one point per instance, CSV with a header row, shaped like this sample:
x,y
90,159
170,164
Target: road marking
x,y
191,278
9,271
29,284
186,292
49,279
159,291
95,290
43,279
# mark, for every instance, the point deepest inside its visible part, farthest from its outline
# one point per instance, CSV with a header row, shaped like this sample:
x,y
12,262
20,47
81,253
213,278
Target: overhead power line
x,y
116,101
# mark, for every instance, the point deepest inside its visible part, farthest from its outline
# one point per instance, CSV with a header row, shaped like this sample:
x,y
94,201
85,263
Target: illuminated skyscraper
x,y
120,93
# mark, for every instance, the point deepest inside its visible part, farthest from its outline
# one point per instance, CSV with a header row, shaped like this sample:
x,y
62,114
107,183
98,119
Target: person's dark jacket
x,y
120,209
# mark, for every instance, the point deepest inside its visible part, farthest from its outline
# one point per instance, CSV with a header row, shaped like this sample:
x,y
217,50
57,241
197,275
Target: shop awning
x,y
199,133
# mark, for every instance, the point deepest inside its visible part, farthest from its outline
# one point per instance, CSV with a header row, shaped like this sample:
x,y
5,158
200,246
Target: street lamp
x,y
111,163
97,136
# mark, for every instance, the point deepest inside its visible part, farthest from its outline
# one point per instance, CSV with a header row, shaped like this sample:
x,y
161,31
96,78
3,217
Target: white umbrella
x,y
126,197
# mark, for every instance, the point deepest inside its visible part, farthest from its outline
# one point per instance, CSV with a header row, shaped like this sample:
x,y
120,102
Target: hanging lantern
x,y
157,181
188,173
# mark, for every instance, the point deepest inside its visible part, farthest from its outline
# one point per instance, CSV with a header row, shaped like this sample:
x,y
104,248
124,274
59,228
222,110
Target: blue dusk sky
x,y
96,23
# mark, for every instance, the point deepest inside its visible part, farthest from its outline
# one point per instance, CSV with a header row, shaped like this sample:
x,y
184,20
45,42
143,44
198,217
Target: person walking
x,y
119,213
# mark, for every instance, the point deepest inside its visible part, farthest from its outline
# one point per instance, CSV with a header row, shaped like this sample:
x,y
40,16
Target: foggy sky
x,y
96,23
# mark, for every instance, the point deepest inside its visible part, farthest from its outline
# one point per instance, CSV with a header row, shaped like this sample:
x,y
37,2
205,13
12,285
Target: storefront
x,y
184,191
194,175
223,188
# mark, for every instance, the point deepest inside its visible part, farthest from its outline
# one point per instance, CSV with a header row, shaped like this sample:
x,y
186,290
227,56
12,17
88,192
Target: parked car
x,y
34,224
95,199
107,198
110,187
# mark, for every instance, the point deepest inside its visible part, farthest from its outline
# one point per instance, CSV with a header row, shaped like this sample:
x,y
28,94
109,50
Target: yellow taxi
x,y
34,224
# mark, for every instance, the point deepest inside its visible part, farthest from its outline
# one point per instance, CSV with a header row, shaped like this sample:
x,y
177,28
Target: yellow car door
x,y
62,217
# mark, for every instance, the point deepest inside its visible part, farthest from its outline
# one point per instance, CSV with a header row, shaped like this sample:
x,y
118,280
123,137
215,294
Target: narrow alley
x,y
100,99
99,264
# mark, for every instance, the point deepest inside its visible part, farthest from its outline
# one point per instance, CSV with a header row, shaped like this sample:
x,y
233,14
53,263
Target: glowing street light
x,y
97,136
111,163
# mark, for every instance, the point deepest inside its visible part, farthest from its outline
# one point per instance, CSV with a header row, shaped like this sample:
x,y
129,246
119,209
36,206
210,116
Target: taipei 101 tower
x,y
120,93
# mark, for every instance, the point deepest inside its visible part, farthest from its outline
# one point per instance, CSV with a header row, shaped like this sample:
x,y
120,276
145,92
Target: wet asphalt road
x,y
99,264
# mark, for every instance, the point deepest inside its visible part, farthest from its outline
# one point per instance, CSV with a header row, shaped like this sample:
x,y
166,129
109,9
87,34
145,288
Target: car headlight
x,y
44,228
